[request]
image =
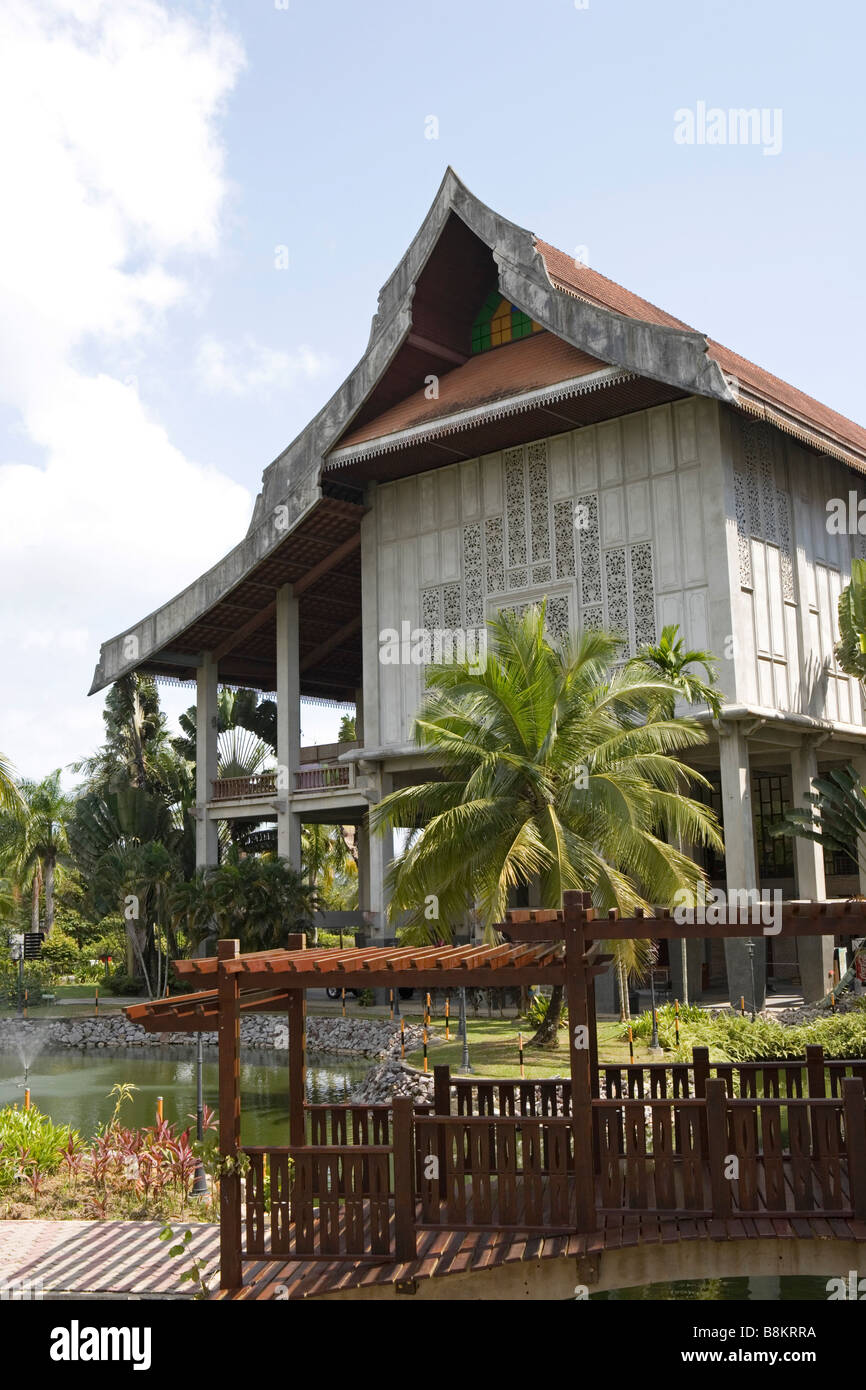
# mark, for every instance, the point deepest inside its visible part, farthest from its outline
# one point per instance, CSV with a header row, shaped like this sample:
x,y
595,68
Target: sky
x,y
201,202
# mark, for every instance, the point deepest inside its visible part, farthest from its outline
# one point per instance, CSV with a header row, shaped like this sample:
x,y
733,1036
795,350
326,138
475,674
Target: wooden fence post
x,y
577,983
815,1072
701,1073
817,1089
404,1179
229,1036
717,1145
855,1133
441,1106
297,1022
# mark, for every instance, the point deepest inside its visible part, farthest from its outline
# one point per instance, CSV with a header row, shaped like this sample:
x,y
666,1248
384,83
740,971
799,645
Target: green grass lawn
x,y
493,1049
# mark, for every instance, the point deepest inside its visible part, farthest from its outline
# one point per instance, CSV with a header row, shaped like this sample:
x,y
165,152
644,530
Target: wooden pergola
x,y
538,947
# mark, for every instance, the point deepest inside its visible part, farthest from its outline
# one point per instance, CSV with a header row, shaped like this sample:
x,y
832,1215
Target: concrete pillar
x,y
288,725
375,853
359,714
206,733
741,868
368,709
814,953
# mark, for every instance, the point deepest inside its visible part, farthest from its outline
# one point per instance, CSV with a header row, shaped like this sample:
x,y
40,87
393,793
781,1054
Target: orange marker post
x,y
677,1020
447,1020
343,998
425,1049
520,1051
391,998
159,1109
743,1005
96,1002
26,992
402,1038
630,1044
26,1097
427,1013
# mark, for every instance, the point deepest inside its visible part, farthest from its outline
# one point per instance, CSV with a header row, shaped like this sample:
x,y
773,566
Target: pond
x,y
73,1087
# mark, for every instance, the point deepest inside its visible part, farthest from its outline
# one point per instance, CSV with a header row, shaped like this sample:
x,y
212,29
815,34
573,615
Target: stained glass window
x,y
500,322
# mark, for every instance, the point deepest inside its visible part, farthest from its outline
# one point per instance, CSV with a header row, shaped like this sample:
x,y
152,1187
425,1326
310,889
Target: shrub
x,y
732,1038
30,1140
332,938
121,983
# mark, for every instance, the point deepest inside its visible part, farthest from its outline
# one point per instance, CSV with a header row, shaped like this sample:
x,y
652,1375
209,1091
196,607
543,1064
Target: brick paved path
x,y
120,1258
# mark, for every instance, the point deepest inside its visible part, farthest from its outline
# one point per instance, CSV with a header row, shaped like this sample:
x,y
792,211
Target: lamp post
x,y
199,1185
464,1061
752,973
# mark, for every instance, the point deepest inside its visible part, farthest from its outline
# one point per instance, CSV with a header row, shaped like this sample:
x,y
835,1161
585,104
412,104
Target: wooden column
x,y
442,1106
229,1037
404,1180
717,1145
855,1134
580,1026
297,1018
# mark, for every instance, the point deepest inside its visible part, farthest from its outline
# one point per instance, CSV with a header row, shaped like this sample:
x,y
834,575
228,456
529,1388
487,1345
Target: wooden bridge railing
x,y
699,1140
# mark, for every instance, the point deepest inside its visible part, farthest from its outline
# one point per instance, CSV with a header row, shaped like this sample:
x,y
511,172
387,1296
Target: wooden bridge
x,y
579,1179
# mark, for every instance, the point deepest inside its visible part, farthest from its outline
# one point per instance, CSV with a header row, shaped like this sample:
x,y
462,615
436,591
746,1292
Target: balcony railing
x,y
324,777
263,784
311,777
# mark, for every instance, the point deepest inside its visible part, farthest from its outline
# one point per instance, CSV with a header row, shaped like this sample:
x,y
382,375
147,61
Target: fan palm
x,y
556,768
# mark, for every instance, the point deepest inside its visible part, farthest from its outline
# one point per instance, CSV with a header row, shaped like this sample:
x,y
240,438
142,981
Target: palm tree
x,y
556,767
10,796
36,841
330,865
259,900
669,659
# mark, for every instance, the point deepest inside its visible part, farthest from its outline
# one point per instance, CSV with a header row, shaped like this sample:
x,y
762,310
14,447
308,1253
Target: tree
x,y
34,841
10,796
258,900
330,865
834,816
851,648
556,767
131,843
669,659
137,750
346,732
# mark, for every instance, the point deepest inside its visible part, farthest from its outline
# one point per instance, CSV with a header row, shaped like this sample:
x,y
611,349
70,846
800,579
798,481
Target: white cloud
x,y
248,367
113,179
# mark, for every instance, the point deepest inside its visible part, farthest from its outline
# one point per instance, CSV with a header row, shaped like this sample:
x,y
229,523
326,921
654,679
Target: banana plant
x,y
851,647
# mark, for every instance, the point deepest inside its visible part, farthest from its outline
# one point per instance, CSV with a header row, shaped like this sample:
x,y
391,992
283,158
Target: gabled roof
x,y
756,386
605,352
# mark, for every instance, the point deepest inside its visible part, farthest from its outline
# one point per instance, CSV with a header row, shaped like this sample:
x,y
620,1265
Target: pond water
x,y
73,1087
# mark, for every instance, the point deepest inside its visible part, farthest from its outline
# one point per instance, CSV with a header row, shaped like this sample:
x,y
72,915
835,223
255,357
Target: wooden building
x,y
520,427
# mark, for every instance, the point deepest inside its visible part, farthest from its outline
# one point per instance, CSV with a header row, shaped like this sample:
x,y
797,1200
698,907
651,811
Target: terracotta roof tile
x,y
530,363
580,279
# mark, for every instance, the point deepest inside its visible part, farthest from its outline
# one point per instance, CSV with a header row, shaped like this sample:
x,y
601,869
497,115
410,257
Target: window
x,y
500,322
